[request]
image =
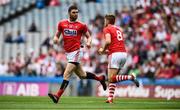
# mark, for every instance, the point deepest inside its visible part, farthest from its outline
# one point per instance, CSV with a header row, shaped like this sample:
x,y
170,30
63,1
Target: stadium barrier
x,y
40,86
161,88
28,86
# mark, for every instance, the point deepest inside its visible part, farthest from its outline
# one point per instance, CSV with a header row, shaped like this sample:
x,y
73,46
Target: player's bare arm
x,y
56,37
102,50
89,39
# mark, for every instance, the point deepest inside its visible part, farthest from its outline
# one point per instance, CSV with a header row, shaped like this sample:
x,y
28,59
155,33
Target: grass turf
x,y
83,103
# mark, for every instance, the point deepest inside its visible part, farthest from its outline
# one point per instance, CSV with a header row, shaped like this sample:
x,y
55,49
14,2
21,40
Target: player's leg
x,y
117,60
112,85
112,74
67,73
119,78
88,75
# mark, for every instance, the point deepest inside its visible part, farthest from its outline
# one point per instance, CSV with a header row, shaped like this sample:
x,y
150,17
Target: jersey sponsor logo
x,y
70,32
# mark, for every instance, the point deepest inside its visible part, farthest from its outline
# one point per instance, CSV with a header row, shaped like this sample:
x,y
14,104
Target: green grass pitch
x,y
84,103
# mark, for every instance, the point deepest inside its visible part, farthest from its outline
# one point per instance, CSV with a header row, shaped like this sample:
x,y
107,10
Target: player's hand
x,y
88,45
55,40
101,51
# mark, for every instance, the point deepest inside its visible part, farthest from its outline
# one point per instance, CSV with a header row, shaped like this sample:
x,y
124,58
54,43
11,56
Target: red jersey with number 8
x,y
72,32
117,41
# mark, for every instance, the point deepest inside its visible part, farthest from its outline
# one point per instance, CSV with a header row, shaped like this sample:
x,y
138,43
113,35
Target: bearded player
x,y
72,31
115,48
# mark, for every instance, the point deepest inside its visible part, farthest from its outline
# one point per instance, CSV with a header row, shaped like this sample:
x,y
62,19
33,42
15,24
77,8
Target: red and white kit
x,y
117,53
72,33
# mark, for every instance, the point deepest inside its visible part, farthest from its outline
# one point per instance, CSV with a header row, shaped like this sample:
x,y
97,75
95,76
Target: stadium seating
x,y
11,8
46,20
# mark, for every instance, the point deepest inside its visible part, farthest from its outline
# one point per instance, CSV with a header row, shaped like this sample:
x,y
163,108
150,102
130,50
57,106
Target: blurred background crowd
x,y
151,31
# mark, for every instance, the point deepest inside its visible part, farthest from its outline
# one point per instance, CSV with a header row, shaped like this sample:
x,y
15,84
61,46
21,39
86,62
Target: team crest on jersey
x,y
70,32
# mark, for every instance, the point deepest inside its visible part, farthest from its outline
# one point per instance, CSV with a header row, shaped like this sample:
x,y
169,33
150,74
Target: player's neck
x,y
69,20
110,25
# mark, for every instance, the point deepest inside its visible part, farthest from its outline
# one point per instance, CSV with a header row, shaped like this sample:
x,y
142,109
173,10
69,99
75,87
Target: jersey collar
x,y
72,21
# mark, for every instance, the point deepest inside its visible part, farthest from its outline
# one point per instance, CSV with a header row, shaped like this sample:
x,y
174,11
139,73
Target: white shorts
x,y
74,56
117,60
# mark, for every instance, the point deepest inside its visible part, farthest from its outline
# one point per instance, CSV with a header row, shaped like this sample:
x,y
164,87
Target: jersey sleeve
x,y
85,28
106,30
59,27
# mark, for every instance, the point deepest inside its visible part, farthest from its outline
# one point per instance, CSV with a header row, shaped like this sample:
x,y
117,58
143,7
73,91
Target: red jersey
x,y
72,32
117,40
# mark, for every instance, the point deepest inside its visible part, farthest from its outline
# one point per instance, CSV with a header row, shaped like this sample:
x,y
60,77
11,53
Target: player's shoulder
x,y
63,21
106,28
114,27
118,28
80,22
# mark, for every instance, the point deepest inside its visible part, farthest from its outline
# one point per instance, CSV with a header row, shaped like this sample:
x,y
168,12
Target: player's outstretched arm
x,y
89,39
102,50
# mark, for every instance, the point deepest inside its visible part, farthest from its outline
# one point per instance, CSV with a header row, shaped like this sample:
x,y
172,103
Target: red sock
x,y
60,92
99,78
62,88
117,78
112,87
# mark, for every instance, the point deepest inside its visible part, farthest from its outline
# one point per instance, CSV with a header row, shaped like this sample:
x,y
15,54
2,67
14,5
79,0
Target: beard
x,y
73,18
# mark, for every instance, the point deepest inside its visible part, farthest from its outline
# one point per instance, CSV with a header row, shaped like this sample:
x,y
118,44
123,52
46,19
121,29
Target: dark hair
x,y
110,18
72,7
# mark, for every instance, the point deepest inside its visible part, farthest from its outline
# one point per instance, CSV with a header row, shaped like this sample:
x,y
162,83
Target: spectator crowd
x,y
152,34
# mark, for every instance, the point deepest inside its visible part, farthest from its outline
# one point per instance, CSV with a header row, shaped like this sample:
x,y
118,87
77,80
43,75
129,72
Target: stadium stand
x,y
12,8
151,29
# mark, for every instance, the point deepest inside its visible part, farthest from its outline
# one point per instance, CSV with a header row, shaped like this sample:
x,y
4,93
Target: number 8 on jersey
x,y
119,35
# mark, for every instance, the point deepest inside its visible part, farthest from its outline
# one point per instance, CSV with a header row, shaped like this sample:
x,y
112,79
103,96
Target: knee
x,y
82,77
66,76
111,79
